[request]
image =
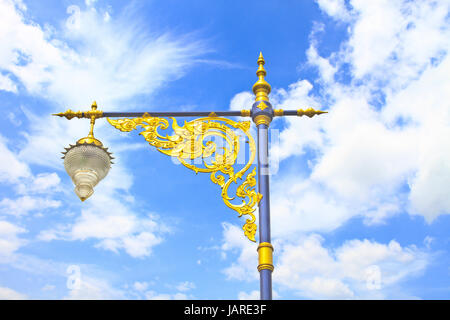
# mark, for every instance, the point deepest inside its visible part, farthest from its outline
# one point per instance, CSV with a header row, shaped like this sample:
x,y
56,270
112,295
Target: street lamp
x,y
88,161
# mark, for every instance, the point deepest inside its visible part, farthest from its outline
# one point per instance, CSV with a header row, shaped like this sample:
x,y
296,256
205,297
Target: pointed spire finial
x,y
261,88
261,58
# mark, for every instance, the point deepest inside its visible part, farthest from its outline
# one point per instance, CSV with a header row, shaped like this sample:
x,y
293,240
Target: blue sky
x,y
359,196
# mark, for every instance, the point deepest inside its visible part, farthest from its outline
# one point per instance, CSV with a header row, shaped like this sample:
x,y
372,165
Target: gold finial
x,y
310,112
261,88
69,114
260,58
90,139
261,62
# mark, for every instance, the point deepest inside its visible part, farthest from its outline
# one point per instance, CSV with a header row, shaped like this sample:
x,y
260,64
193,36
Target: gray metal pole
x,y
265,271
262,114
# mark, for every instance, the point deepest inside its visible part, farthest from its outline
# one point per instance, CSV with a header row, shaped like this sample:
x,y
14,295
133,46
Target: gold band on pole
x,y
265,258
262,119
245,113
278,112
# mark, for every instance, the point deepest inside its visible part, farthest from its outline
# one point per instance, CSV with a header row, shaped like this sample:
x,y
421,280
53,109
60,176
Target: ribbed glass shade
x,y
86,164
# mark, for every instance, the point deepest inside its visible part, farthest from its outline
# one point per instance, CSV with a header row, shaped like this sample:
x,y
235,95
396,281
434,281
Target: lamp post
x,y
88,161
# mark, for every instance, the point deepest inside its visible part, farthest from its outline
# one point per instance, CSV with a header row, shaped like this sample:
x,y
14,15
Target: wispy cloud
x,y
91,57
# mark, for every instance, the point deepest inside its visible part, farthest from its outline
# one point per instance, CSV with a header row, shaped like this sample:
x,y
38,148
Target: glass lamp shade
x,y
87,165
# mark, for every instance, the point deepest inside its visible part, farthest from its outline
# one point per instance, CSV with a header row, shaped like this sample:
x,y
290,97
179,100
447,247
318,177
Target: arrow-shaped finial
x,y
261,88
310,112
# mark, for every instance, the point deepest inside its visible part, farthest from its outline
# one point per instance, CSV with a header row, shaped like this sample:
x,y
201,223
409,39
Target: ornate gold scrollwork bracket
x,y
192,144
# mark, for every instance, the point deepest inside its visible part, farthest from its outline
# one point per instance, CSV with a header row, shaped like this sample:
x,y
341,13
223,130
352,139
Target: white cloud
x,y
90,2
114,225
326,69
142,292
44,143
93,283
368,156
9,240
141,244
92,288
152,295
140,286
253,295
244,269
242,101
185,286
91,224
387,123
297,97
10,294
93,58
12,117
303,208
15,168
41,183
48,287
394,40
335,9
23,205
24,50
358,269
6,84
